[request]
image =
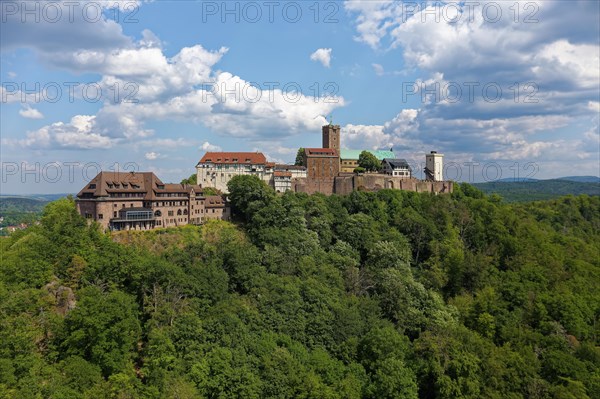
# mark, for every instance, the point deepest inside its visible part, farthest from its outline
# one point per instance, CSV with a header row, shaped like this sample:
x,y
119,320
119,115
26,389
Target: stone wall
x,y
345,183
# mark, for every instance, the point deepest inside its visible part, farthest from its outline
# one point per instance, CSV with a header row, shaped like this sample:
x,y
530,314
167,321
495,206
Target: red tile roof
x,y
234,157
282,174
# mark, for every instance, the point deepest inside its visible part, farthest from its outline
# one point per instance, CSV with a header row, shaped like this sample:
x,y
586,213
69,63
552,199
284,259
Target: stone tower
x,y
434,166
331,136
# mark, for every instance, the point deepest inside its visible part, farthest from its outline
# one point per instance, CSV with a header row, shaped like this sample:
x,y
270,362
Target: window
x,y
100,216
170,213
92,186
115,214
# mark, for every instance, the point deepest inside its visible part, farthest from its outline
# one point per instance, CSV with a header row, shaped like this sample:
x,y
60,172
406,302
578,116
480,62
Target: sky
x,y
501,88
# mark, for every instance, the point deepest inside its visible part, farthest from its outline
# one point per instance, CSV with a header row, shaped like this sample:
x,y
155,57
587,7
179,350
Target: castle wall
x,y
344,184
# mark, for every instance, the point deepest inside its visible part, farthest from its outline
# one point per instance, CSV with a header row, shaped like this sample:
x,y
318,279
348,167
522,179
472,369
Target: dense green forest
x,y
521,191
372,295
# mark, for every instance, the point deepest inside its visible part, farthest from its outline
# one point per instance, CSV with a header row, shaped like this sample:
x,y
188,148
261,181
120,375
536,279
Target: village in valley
x,y
141,201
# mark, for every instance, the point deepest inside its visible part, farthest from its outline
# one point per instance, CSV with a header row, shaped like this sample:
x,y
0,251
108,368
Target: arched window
x,y
158,213
179,212
185,212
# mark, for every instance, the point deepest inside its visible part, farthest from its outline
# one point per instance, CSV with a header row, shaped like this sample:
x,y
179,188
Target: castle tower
x,y
331,136
434,166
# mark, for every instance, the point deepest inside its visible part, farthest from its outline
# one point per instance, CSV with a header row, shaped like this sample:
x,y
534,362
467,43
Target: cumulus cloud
x,y
78,133
184,88
64,26
30,113
547,74
322,55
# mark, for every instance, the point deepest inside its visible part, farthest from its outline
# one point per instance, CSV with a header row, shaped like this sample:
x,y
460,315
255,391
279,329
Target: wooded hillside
x,y
372,295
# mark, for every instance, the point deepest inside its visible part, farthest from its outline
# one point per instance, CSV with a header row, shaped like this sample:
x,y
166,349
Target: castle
x,y
328,170
141,201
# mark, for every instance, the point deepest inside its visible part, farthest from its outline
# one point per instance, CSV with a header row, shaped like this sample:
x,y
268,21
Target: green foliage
x,y
300,157
369,162
192,180
371,295
248,194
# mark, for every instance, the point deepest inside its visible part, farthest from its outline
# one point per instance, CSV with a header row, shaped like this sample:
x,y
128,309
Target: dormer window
x,y
92,186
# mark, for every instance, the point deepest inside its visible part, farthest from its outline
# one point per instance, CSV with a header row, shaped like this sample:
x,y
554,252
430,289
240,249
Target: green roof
x,y
354,154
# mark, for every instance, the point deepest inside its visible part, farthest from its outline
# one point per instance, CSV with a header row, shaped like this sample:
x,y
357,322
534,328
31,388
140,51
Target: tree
x,y
192,180
248,194
300,157
103,329
369,162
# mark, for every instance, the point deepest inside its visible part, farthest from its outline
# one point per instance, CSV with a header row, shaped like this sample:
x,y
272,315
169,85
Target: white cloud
x,y
151,156
30,113
322,55
65,27
79,133
365,137
206,146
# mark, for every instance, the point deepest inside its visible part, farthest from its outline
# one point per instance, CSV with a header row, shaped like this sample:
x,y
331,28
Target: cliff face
x,y
346,183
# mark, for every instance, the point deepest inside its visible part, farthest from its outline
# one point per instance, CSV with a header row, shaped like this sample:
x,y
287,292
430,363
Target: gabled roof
x,y
397,163
120,182
234,158
354,154
145,183
214,201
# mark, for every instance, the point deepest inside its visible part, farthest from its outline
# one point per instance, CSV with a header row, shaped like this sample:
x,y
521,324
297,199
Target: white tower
x,y
434,166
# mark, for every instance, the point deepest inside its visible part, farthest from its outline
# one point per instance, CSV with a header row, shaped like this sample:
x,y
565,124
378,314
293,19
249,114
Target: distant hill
x,y
40,197
581,179
535,190
16,210
515,179
21,204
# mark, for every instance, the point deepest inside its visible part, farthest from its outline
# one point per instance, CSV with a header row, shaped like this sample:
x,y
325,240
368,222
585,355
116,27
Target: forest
x,y
378,295
536,190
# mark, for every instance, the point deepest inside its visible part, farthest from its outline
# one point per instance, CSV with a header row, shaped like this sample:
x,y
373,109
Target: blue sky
x,y
209,76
